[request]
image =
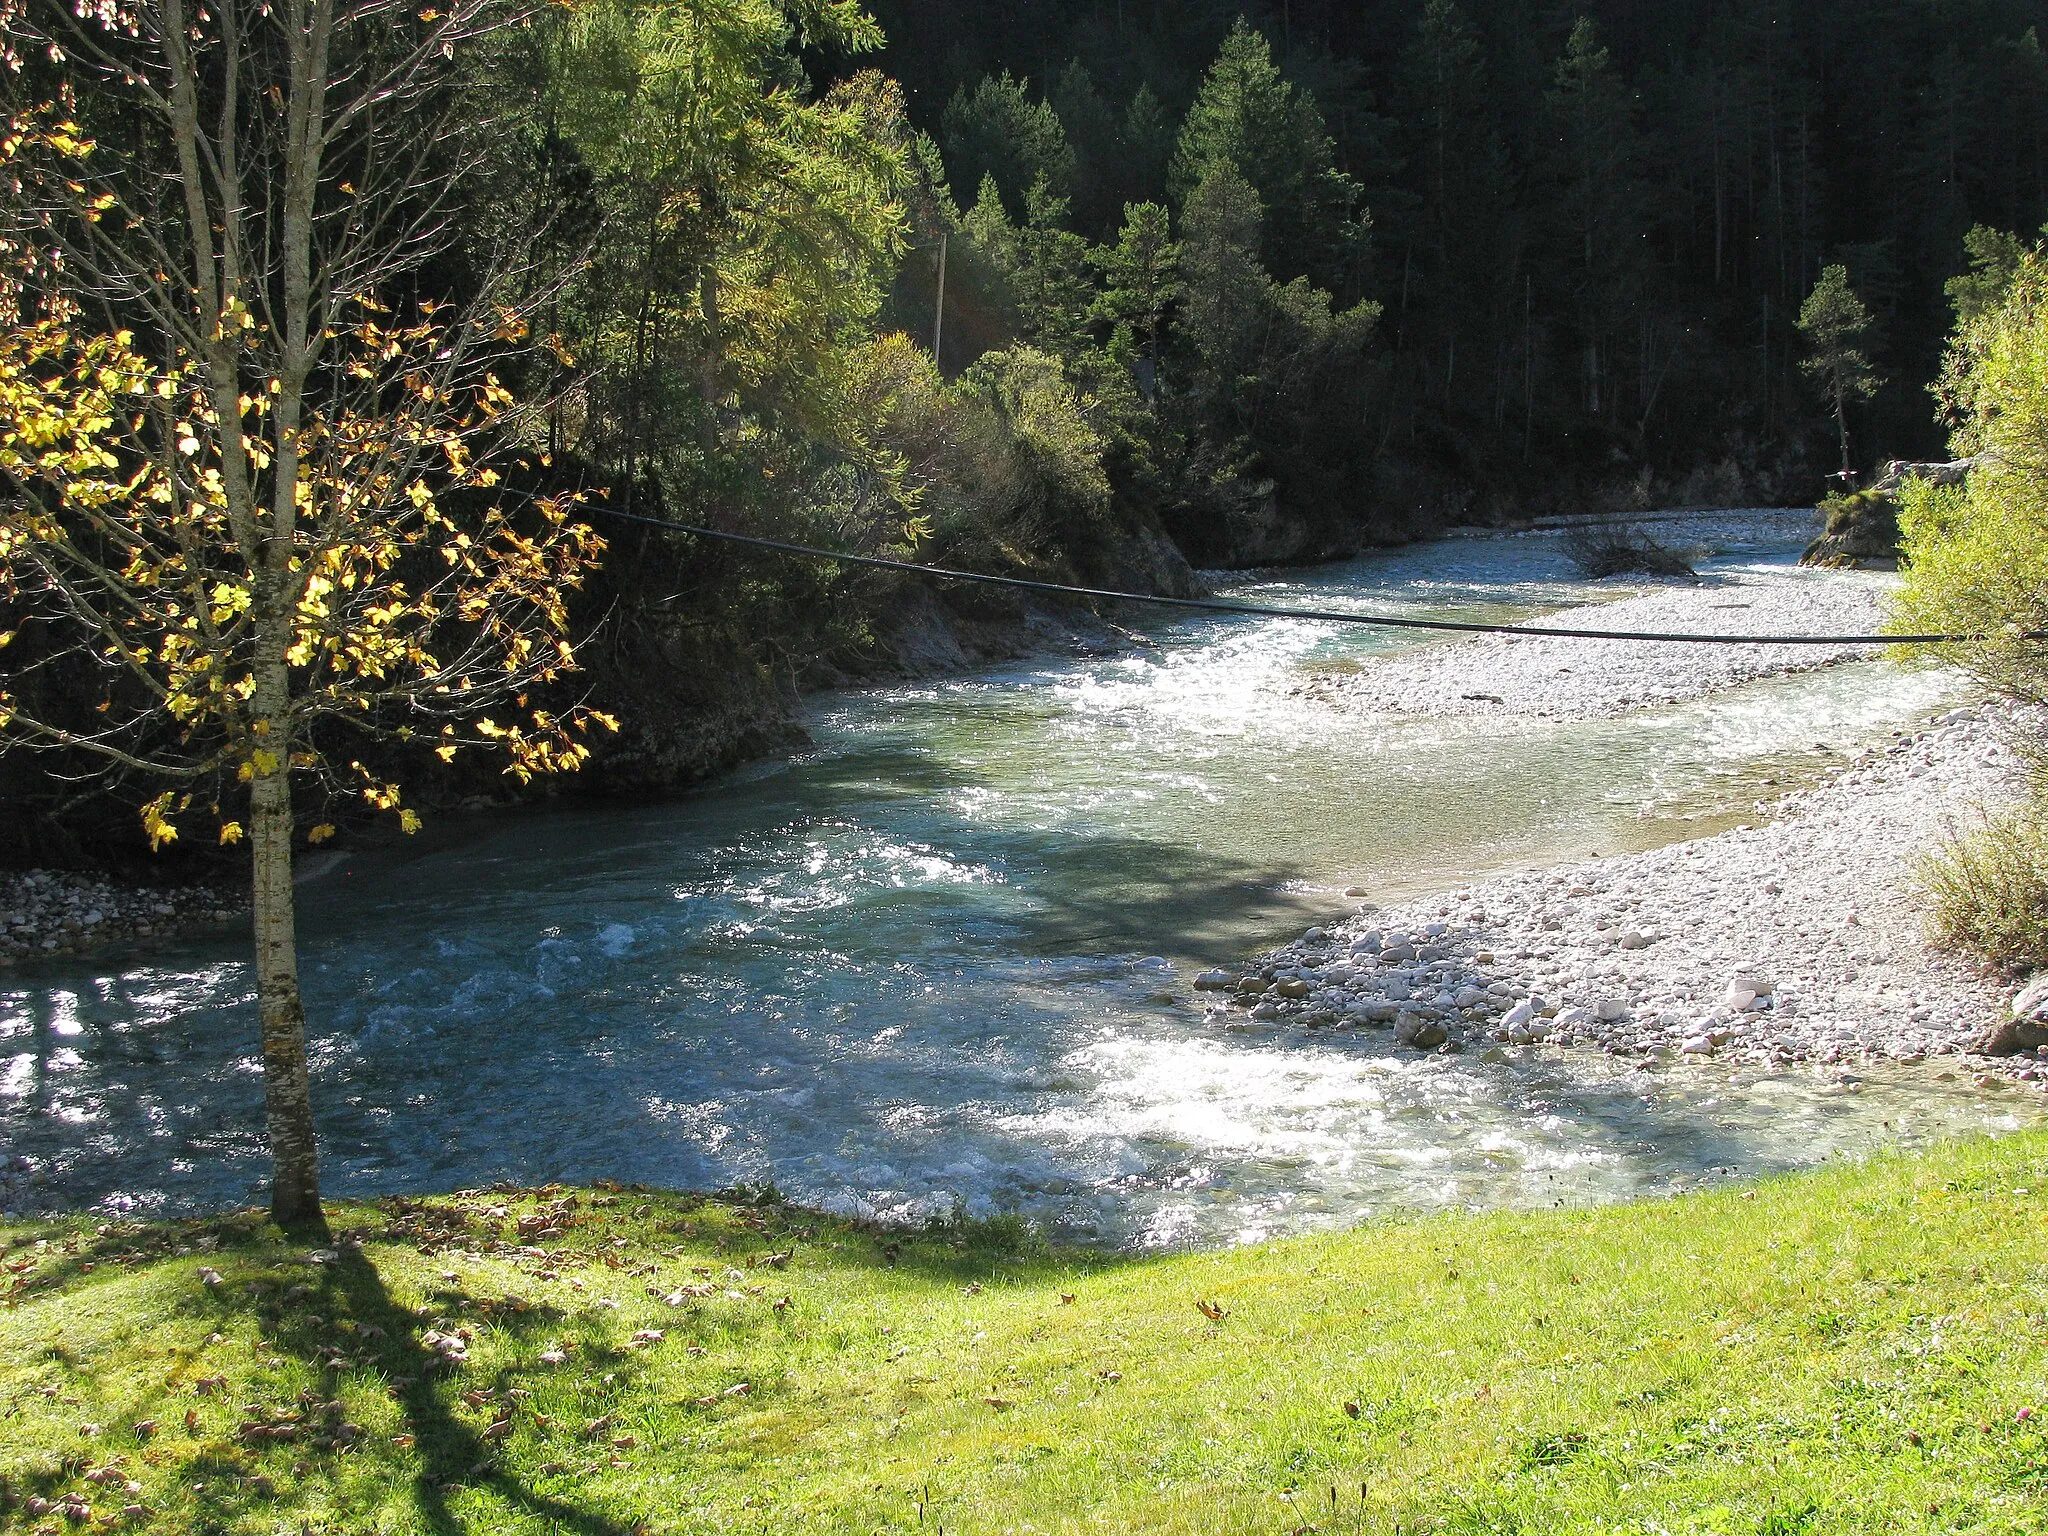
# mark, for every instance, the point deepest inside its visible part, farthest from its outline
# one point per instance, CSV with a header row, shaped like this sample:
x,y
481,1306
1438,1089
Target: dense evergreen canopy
x,y
1224,283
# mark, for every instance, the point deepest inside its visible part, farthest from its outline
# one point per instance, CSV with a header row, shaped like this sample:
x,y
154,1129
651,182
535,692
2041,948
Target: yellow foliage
x,y
113,451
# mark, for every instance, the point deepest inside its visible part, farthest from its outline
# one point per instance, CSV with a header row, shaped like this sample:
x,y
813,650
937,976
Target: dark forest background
x,y
1588,229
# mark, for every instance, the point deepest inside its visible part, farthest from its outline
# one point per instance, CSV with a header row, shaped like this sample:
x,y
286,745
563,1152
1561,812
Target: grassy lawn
x,y
1864,1349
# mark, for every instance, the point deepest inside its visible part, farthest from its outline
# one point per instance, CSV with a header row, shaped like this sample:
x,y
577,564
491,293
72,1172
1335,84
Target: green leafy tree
x,y
1835,326
1976,554
1975,561
1994,258
235,427
749,222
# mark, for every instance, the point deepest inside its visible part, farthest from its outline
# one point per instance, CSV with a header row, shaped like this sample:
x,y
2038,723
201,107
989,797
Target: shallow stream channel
x,y
945,956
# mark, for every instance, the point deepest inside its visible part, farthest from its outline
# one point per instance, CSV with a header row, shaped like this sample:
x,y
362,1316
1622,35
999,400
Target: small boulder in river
x,y
1216,981
2026,1029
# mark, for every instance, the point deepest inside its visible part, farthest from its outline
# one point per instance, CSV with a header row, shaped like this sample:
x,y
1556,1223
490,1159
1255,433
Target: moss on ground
x,y
1857,1350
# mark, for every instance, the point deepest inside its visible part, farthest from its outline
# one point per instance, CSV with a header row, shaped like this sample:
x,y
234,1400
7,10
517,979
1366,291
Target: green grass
x,y
1860,1350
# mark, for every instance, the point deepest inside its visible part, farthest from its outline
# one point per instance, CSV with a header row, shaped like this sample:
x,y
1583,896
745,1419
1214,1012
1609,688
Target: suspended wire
x,y
1266,611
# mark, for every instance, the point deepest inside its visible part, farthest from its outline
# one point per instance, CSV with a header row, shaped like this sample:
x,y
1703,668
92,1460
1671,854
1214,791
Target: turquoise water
x,y
943,956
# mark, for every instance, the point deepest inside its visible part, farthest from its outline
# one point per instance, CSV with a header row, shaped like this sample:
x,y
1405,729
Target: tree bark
x,y
295,1179
1842,424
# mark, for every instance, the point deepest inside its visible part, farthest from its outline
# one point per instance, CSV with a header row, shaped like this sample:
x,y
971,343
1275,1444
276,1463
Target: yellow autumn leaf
x,y
321,833
230,832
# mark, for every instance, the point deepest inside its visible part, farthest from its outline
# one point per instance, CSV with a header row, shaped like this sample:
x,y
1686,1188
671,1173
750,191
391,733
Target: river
x,y
944,955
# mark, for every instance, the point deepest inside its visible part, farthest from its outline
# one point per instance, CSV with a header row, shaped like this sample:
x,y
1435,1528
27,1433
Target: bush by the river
x,y
1975,558
1862,527
1987,889
1618,549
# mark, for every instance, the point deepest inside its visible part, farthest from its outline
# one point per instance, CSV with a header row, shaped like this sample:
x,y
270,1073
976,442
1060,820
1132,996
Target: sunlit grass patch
x,y
1857,1350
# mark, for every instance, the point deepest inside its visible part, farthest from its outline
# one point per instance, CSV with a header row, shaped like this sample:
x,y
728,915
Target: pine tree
x,y
1835,325
997,130
1140,277
1596,153
1246,115
1465,240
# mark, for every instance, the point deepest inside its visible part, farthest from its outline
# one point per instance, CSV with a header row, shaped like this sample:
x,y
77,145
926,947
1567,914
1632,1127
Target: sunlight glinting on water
x,y
944,955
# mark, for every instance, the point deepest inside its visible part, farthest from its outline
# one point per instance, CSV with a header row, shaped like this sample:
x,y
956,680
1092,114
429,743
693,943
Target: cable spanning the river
x,y
1264,611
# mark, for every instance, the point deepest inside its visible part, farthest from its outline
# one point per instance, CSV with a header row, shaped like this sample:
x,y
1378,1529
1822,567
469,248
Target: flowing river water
x,y
944,956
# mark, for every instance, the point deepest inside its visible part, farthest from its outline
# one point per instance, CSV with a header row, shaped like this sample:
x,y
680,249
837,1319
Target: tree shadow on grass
x,y
452,1455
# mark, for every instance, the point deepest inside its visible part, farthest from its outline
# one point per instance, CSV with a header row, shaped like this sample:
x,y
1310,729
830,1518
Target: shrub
x,y
1987,889
1615,549
1976,555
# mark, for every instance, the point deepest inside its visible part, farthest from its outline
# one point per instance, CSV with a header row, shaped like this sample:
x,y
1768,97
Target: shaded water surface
x,y
945,956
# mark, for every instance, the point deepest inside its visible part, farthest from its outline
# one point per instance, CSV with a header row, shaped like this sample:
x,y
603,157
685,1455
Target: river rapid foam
x,y
947,955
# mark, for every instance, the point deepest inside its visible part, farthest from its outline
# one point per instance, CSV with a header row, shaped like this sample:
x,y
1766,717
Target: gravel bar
x,y
1793,942
1593,679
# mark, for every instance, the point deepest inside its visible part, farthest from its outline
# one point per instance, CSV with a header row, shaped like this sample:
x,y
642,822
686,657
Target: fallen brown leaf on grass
x,y
1214,1311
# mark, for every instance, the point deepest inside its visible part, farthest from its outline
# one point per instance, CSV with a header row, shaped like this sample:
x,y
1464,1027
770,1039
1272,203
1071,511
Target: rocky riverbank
x,y
1592,679
51,912
1795,941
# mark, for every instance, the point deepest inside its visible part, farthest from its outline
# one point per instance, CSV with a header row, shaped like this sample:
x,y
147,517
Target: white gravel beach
x,y
1796,940
1592,679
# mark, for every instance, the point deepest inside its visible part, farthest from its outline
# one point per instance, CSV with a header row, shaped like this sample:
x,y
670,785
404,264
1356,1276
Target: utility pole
x,y
939,315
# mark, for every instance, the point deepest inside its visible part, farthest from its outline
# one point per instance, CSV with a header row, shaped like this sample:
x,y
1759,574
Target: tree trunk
x,y
1842,425
707,370
295,1179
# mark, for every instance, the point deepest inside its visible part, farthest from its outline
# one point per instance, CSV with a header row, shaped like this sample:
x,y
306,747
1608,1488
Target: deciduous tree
x,y
232,414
